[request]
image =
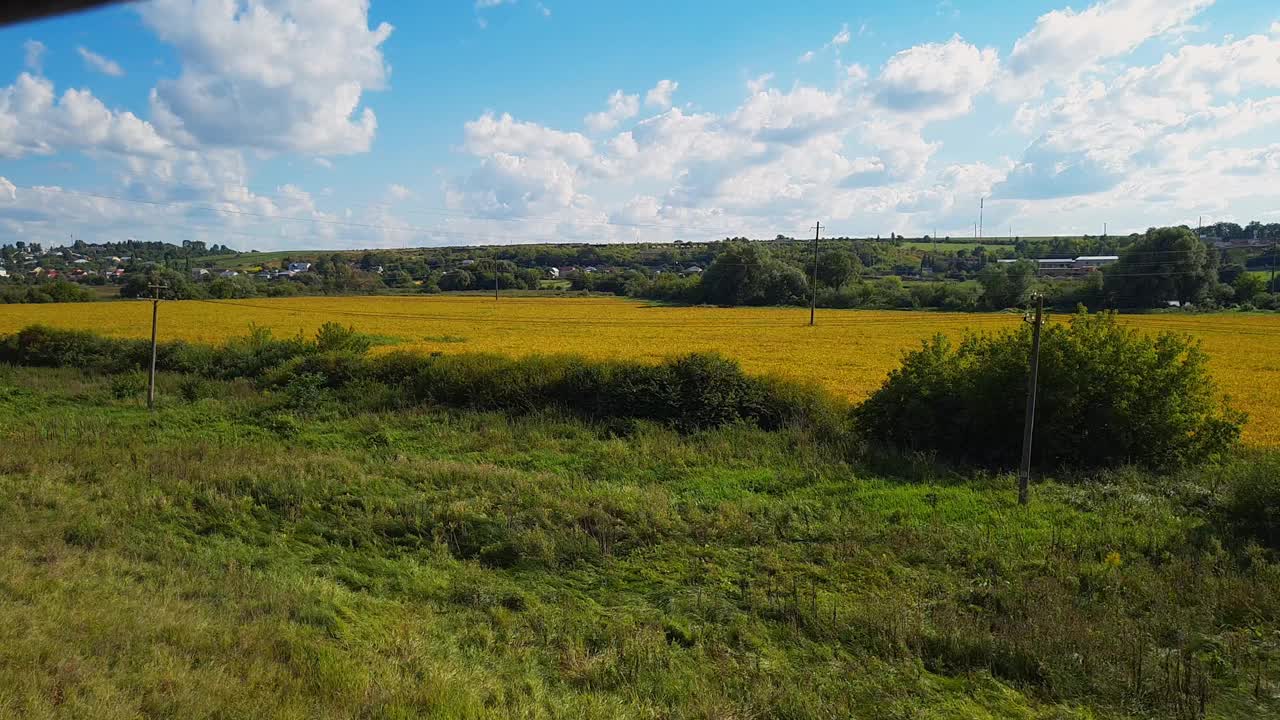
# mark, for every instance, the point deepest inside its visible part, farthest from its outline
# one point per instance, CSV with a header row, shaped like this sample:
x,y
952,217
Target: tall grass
x,y
232,557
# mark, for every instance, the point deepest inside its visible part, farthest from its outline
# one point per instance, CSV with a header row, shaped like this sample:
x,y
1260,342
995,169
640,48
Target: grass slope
x,y
226,558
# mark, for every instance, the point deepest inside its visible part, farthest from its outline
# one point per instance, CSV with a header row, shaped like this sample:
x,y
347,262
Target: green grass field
x,y
239,555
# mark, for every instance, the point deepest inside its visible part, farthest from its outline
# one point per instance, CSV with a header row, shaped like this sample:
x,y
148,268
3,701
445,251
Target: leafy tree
x,y
1166,264
456,280
1229,272
836,267
234,287
1248,286
136,285
744,273
1006,285
398,279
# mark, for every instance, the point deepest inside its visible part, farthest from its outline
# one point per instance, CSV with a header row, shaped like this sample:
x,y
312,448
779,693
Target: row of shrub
x,y
689,392
1108,395
55,291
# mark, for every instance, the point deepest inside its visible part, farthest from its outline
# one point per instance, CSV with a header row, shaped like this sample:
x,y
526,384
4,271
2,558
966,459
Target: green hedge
x,y
690,392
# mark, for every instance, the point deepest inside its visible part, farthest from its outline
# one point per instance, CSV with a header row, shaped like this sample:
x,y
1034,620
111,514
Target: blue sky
x,y
290,124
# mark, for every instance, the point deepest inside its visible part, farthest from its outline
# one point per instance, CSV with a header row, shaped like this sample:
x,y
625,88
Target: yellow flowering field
x,y
849,351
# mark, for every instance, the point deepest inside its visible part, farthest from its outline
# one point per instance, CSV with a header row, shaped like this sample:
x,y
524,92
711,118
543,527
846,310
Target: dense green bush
x,y
1108,396
670,287
1251,498
43,346
690,392
129,385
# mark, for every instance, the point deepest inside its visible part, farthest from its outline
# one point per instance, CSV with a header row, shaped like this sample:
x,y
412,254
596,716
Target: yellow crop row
x,y
848,351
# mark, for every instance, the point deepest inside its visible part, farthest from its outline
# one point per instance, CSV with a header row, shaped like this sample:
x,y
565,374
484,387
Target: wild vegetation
x,y
849,353
284,539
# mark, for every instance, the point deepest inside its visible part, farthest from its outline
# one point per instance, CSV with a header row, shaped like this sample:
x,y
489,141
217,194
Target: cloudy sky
x,y
275,124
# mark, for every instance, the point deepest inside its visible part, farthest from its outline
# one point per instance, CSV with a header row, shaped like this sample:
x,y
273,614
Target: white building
x,y
297,267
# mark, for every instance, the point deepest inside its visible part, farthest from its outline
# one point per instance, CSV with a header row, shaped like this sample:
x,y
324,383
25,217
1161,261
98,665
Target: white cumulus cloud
x,y
270,74
1064,42
937,80
621,107
660,95
36,121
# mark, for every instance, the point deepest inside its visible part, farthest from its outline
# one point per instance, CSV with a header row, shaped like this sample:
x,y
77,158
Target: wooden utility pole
x,y
1029,421
1271,287
495,280
813,290
155,316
